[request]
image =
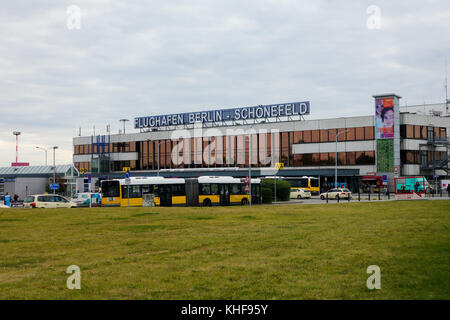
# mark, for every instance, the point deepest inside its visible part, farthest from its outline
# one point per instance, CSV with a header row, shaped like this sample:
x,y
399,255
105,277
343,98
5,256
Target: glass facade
x,y
234,150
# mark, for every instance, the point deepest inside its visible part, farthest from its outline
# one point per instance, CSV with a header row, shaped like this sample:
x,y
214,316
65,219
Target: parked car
x,y
48,201
83,199
341,193
299,193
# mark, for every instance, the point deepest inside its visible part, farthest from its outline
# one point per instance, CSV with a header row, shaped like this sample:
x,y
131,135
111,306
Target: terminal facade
x,y
389,143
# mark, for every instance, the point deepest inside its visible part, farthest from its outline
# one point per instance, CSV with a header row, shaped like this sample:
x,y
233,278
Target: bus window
x,y
214,189
146,189
205,188
178,190
314,183
135,191
111,189
235,188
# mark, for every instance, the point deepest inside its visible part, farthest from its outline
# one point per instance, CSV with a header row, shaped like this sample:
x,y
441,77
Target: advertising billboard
x,y
385,155
384,118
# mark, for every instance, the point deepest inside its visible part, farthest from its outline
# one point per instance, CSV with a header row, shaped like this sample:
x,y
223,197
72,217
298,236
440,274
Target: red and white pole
x,y
17,134
17,148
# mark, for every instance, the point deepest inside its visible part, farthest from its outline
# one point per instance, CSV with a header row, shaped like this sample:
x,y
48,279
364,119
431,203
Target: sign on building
x,y
246,113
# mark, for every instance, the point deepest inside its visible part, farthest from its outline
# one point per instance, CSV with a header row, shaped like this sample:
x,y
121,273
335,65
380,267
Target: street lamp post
x,y
45,150
336,158
54,167
158,156
250,165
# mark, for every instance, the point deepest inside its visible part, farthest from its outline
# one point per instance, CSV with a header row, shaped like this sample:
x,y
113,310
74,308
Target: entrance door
x,y
224,190
165,195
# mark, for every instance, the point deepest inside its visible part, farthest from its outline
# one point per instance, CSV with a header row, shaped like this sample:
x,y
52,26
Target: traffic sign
x,y
127,175
125,169
54,186
279,165
89,178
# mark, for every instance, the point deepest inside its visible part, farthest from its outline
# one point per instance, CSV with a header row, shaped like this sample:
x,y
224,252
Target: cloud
x,y
135,58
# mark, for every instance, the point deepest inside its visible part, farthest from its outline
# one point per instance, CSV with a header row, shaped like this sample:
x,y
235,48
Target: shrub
x,y
267,195
283,188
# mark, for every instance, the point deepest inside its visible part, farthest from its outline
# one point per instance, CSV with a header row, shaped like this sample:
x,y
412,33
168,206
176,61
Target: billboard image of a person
x,y
384,117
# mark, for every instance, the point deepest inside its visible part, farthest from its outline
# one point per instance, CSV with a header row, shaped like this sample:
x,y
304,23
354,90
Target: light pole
x,y
124,120
158,156
336,158
45,150
54,167
250,164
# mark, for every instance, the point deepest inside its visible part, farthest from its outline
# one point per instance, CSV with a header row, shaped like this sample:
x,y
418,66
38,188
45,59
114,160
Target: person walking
x,y
448,190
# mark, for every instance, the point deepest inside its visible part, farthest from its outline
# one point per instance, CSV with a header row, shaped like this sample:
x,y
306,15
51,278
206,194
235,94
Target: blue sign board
x,y
89,178
246,113
54,186
127,174
384,178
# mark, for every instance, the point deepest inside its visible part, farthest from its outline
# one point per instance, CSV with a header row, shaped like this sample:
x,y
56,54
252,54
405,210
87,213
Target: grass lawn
x,y
259,252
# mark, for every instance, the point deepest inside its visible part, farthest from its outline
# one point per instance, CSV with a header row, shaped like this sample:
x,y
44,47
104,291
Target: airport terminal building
x,y
388,143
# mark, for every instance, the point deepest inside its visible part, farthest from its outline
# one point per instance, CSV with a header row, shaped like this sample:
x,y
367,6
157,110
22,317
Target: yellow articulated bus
x,y
167,191
223,191
201,191
309,183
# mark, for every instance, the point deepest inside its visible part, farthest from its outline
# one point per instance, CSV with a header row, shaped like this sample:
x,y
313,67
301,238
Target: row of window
x,y
115,147
136,191
408,131
293,137
414,156
213,189
329,159
298,160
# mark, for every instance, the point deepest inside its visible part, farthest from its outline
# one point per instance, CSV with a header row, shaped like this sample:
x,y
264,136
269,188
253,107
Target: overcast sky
x,y
139,58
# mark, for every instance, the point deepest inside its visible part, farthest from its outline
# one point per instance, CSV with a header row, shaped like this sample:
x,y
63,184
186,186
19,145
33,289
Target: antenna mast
x,y
446,94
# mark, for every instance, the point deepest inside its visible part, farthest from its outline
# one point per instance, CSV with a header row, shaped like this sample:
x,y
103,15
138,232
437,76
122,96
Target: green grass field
x,y
262,252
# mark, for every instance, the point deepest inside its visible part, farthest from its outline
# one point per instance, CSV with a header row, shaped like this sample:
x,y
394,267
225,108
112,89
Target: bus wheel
x,y
299,197
322,197
244,202
207,203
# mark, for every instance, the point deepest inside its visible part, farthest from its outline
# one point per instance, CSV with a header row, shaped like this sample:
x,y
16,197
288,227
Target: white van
x,y
82,199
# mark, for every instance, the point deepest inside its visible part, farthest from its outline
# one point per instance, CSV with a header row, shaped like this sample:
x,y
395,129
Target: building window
x,y
424,130
351,160
369,133
323,135
350,134
359,133
307,136
409,131
315,136
417,134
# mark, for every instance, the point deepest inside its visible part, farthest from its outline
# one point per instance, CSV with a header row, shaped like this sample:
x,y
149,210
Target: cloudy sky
x,y
138,58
